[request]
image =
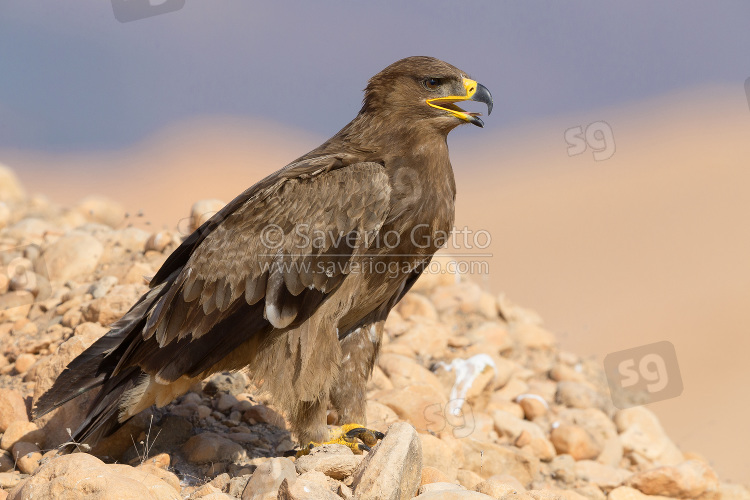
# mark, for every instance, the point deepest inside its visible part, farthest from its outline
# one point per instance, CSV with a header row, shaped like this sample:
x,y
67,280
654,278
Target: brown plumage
x,y
288,279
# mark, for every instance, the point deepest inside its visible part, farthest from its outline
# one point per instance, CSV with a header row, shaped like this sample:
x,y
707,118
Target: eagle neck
x,y
414,152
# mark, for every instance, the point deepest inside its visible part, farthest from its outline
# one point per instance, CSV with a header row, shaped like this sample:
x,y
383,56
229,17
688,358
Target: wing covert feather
x,y
296,234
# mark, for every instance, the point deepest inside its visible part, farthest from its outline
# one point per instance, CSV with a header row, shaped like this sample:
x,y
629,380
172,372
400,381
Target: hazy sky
x,y
74,78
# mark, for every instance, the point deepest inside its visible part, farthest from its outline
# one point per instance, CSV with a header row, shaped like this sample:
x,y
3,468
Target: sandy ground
x,y
651,244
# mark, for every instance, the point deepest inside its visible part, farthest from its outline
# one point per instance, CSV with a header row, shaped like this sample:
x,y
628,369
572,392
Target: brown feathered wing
x,y
260,266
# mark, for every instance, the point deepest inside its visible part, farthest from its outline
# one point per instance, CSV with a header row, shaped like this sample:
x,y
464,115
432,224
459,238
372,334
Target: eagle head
x,y
425,89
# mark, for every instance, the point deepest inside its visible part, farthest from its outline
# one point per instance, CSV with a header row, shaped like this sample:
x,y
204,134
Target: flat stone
x,y
335,461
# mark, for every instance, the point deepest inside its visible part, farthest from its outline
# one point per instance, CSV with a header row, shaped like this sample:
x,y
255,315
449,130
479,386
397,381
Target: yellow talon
x,y
306,449
354,436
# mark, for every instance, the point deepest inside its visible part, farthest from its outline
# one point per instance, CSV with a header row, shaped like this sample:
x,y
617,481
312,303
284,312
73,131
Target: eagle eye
x,y
432,83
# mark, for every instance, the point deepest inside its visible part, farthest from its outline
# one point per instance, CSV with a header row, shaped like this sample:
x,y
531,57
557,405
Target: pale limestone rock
x,y
12,408
628,493
265,482
159,241
580,395
604,476
438,454
427,338
22,431
555,494
203,210
209,447
160,472
416,305
575,441
392,470
601,428
468,478
435,487
209,492
302,489
533,407
335,461
107,309
101,210
488,459
491,336
643,438
689,479
80,475
318,477
457,298
563,468
24,361
532,336
15,305
591,492
499,486
731,491
9,479
432,475
422,405
453,495
262,413
75,255
404,371
509,425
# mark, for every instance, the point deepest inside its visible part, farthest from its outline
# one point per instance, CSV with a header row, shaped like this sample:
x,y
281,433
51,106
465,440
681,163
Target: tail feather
x,y
83,374
98,366
102,419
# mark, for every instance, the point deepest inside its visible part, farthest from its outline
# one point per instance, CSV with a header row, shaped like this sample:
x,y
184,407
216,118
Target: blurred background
x,y
613,175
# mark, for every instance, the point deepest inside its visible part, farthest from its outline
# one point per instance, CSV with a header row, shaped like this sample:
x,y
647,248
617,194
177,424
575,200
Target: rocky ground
x,y
476,399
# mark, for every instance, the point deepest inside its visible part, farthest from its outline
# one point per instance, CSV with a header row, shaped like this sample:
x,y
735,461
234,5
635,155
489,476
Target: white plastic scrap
x,y
467,370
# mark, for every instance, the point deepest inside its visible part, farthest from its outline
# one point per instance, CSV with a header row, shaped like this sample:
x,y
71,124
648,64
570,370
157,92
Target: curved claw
x,y
368,436
304,451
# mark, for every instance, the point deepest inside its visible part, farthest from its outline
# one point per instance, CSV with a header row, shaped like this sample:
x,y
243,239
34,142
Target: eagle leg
x,y
349,391
308,420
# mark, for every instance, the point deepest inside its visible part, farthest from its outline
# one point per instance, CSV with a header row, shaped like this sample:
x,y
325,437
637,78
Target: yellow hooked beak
x,y
474,92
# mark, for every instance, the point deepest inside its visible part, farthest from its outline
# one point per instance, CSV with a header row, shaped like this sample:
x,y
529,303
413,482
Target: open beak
x,y
474,92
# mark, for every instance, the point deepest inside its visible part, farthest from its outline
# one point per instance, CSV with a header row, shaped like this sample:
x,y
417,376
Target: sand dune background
x,y
651,244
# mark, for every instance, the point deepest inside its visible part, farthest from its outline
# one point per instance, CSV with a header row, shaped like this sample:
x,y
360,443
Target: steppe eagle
x,y
293,279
